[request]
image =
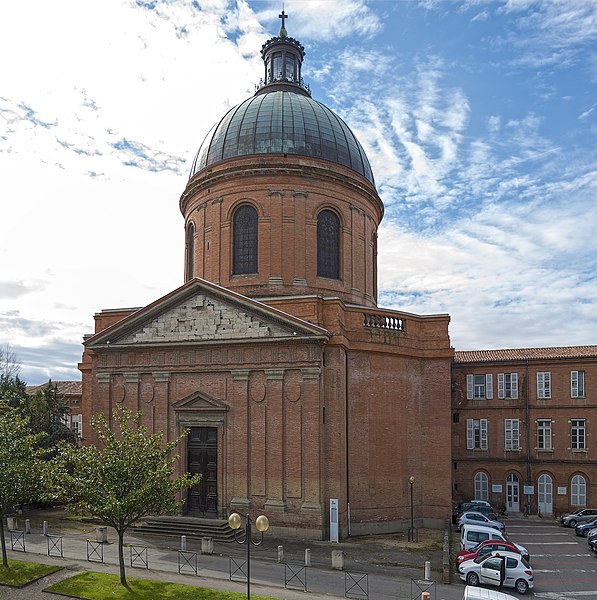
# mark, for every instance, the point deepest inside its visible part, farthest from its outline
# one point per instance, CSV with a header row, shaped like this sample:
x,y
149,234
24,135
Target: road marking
x,y
567,570
551,543
564,595
558,555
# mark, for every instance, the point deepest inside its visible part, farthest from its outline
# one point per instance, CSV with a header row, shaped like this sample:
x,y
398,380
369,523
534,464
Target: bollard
x,y
101,535
183,542
44,528
11,523
207,545
427,570
337,560
425,596
307,557
280,554
27,525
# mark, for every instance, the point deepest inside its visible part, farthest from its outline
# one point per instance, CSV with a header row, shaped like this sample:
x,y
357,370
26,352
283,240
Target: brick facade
x,y
555,419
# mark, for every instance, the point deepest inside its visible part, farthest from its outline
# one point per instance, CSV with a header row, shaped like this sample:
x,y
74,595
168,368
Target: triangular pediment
x,y
203,312
199,402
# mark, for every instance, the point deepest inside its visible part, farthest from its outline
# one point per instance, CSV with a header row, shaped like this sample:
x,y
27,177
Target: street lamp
x,y
261,524
411,532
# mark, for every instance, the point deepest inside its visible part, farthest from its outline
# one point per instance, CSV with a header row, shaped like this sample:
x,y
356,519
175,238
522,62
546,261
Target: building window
x,y
481,486
578,434
190,252
476,434
328,245
577,384
479,387
508,385
511,434
578,491
245,224
75,423
544,434
544,384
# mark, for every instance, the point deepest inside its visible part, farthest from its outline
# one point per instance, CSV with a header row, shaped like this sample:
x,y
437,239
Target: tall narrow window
x,y
245,225
481,486
476,434
328,245
190,252
544,384
508,385
578,434
577,384
479,387
511,434
544,434
578,491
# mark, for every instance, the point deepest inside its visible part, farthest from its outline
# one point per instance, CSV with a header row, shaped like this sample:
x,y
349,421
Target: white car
x,y
476,518
506,569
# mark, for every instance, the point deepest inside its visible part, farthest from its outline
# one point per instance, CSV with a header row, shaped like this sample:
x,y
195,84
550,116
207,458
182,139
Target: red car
x,y
487,547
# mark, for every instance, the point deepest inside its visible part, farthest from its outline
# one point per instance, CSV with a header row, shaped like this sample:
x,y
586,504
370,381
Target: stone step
x,y
193,528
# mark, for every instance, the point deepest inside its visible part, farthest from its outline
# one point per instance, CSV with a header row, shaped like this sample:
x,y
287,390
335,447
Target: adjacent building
x,y
524,427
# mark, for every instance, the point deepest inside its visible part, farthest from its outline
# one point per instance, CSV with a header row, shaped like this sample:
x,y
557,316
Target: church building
x,y
297,390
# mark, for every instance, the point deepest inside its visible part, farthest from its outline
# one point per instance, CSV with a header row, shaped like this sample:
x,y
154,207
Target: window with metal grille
x,y
328,245
245,224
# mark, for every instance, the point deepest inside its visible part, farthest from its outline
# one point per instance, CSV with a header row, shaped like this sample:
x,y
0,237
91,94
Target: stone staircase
x,y
192,527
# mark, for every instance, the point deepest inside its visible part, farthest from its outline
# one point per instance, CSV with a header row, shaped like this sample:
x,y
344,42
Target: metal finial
x,y
283,16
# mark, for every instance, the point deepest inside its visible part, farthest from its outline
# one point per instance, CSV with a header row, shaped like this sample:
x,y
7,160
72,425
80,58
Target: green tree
x,y
128,477
22,466
47,410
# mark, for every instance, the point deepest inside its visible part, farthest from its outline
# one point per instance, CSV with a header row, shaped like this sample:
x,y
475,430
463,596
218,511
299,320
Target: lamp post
x,y
411,536
261,524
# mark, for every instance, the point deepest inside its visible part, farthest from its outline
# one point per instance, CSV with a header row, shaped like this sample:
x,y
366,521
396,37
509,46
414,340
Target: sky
x,y
479,119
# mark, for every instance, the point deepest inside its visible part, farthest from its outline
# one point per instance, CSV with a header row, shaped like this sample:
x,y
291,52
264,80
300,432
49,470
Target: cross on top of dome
x,y
283,16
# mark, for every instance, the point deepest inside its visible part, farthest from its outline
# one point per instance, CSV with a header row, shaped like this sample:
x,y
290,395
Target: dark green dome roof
x,y
283,122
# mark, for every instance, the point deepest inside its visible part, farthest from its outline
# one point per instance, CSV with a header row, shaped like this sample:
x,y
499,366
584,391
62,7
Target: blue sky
x,y
479,119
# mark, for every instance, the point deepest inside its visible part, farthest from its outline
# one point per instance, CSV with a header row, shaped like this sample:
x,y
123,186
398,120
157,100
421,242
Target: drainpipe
x,y
528,425
347,438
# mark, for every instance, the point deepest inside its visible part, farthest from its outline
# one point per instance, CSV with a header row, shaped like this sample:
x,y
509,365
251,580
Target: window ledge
x,y
579,450
544,450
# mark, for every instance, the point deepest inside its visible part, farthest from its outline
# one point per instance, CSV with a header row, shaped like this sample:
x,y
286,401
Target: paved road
x,y
563,566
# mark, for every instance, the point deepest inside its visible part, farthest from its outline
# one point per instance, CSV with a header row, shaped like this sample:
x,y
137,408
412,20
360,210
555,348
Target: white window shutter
x,y
574,384
489,386
483,423
515,434
470,384
501,386
514,385
547,384
470,434
540,386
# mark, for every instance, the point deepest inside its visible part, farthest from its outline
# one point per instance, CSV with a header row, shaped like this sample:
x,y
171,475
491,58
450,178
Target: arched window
x,y
190,250
578,491
481,486
328,245
244,250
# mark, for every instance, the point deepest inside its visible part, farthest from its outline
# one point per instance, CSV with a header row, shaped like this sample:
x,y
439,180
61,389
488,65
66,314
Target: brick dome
x,y
283,122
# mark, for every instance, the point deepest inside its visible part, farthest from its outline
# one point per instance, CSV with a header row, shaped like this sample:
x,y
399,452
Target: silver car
x,y
477,518
578,516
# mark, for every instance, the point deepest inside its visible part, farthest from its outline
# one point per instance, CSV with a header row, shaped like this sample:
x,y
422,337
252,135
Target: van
x,y
477,593
471,535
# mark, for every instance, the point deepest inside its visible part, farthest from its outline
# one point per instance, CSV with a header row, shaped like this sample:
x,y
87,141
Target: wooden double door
x,y
202,459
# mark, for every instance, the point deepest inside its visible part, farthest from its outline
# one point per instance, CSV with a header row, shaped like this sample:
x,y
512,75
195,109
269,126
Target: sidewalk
x,y
392,571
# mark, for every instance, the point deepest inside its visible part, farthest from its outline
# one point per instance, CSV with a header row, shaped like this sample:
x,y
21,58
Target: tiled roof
x,y
68,388
469,356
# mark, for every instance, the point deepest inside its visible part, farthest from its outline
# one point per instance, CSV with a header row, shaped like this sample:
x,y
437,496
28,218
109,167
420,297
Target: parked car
x,y
578,516
476,518
593,544
584,528
477,593
592,535
501,569
489,546
477,505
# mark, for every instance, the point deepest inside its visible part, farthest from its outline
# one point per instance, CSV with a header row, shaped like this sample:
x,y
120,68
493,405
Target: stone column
x,y
275,236
161,420
300,216
274,436
131,383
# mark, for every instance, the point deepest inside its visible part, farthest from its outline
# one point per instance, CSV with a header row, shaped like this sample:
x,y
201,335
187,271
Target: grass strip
x,y
98,586
20,573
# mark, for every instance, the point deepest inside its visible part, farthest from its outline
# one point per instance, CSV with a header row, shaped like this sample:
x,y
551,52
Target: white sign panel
x,y
529,490
562,491
496,488
333,519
